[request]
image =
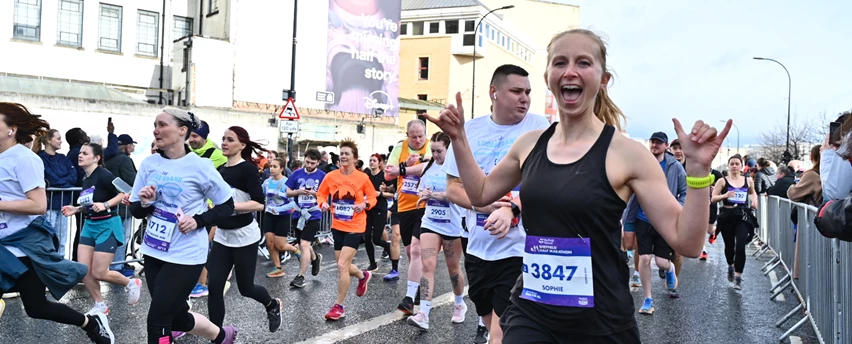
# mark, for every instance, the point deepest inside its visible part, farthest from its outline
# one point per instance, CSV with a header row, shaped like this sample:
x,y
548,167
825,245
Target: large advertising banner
x,y
362,74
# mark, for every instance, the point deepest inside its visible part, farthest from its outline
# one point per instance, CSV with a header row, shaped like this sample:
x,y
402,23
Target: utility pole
x,y
291,93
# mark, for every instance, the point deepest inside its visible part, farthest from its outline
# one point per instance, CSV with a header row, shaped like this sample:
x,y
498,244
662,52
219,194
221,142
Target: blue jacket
x,y
59,173
676,179
40,243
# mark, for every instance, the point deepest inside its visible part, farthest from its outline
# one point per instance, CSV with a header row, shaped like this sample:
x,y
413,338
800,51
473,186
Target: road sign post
x,y
289,117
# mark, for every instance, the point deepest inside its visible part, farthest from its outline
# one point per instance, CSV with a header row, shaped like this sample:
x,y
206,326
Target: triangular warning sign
x,y
289,111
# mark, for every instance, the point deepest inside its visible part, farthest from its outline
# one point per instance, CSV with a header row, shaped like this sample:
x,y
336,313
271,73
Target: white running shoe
x,y
420,320
134,291
459,312
102,308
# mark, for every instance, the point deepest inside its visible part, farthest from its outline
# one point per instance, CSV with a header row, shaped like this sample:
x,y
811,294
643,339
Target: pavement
x,y
709,310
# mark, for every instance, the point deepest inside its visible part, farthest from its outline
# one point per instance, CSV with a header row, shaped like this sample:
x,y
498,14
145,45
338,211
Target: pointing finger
x,y
726,130
678,128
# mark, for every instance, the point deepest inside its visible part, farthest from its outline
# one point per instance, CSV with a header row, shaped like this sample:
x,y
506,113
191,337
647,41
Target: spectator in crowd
x,y
835,171
58,173
154,147
323,165
334,165
809,189
786,178
750,168
205,148
76,138
122,167
297,165
359,165
764,178
272,155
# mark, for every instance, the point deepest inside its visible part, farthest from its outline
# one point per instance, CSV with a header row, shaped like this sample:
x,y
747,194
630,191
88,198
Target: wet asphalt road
x,y
709,310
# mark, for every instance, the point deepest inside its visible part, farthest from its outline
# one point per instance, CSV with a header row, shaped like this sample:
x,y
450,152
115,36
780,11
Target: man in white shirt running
x,y
494,254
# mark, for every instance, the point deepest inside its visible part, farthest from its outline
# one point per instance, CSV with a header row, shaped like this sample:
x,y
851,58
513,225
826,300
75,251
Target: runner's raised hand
x,y
701,144
451,119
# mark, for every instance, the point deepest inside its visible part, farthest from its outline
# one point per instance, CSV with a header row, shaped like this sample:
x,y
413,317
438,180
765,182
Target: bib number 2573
x,y
558,271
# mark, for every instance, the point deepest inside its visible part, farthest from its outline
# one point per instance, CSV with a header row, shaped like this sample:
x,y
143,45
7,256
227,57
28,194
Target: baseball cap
x,y
660,136
125,139
675,142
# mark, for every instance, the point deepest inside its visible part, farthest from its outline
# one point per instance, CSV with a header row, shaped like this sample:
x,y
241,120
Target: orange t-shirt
x,y
346,191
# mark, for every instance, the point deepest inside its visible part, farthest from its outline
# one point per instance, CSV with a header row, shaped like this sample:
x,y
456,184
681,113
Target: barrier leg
x,y
770,262
780,290
759,253
772,267
784,280
794,328
789,315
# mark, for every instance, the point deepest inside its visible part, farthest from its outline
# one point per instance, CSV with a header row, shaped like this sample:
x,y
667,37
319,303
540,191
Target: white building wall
x,y
46,58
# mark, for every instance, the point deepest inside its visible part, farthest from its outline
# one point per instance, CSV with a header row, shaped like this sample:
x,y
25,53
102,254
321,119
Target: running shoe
x,y
335,313
134,291
177,334
315,265
298,282
420,320
128,271
406,306
481,335
730,273
362,284
703,255
630,254
373,267
276,272
662,273
459,312
199,291
392,276
385,254
298,254
712,239
2,307
101,334
274,315
98,308
13,295
636,281
673,294
738,283
647,307
671,280
230,334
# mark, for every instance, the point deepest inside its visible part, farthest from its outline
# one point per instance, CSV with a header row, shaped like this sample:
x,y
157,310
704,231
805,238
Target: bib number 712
x,y
156,227
546,272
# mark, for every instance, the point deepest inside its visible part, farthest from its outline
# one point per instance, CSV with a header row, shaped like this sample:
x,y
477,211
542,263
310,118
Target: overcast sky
x,y
693,60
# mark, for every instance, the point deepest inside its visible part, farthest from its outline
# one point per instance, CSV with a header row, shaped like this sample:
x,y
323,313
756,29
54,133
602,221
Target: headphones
x,y
10,133
495,96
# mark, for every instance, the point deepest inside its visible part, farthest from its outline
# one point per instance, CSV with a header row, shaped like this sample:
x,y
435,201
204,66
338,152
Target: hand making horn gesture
x,y
701,144
451,119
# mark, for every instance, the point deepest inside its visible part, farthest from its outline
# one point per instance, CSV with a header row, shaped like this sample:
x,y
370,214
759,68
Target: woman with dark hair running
x,y
26,238
171,191
563,295
734,191
103,231
377,217
236,238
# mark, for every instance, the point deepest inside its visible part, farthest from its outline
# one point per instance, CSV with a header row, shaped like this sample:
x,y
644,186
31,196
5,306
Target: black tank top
x,y
576,200
739,190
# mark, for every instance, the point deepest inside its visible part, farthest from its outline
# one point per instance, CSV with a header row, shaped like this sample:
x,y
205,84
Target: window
x,y
417,28
403,29
451,26
424,68
27,20
147,27
183,27
468,39
70,23
212,6
434,27
422,97
469,26
109,28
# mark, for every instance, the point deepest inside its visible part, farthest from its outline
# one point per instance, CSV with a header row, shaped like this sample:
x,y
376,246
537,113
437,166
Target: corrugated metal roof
x,y
62,89
432,4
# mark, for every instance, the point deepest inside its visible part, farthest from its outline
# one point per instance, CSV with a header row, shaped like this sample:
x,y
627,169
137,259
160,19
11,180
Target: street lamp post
x,y
475,41
787,154
738,135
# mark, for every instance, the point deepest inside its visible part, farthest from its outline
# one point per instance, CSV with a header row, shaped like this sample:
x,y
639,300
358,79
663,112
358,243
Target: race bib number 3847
x,y
558,271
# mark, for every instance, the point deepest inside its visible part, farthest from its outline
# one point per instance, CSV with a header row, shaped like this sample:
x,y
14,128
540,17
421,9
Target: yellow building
x,y
437,49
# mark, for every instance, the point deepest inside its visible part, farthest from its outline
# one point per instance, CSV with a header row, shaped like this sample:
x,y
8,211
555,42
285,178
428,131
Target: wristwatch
x,y
106,206
516,211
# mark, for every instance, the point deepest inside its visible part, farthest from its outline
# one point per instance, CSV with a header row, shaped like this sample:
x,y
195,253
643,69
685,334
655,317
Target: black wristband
x,y
402,169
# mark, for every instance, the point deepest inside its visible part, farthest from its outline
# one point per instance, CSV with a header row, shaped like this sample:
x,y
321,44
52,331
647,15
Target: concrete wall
x,y
137,120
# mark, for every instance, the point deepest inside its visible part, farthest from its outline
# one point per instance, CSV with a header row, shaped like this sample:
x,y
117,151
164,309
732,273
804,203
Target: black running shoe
x,y
298,282
662,273
315,265
481,335
385,254
372,267
100,334
274,315
406,306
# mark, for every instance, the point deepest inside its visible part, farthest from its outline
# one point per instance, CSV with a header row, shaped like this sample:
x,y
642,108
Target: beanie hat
x,y
203,130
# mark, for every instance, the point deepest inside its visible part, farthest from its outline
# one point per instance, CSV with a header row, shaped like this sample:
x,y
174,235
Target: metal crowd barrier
x,y
815,268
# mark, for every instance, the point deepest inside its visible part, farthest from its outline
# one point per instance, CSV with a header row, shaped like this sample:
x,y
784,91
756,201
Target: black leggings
x,y
35,300
376,220
169,285
219,263
737,235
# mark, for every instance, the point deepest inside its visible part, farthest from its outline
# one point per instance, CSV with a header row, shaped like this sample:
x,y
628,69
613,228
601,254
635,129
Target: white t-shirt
x,y
21,171
441,217
490,142
184,183
240,237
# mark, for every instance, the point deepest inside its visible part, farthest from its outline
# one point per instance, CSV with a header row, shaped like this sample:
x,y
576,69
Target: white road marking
x,y
374,323
795,340
772,280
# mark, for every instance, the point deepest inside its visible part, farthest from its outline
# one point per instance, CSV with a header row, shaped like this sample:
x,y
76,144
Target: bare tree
x,y
803,134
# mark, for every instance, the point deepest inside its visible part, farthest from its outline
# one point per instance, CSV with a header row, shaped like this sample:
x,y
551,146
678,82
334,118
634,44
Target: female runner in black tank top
x,y
734,224
575,179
